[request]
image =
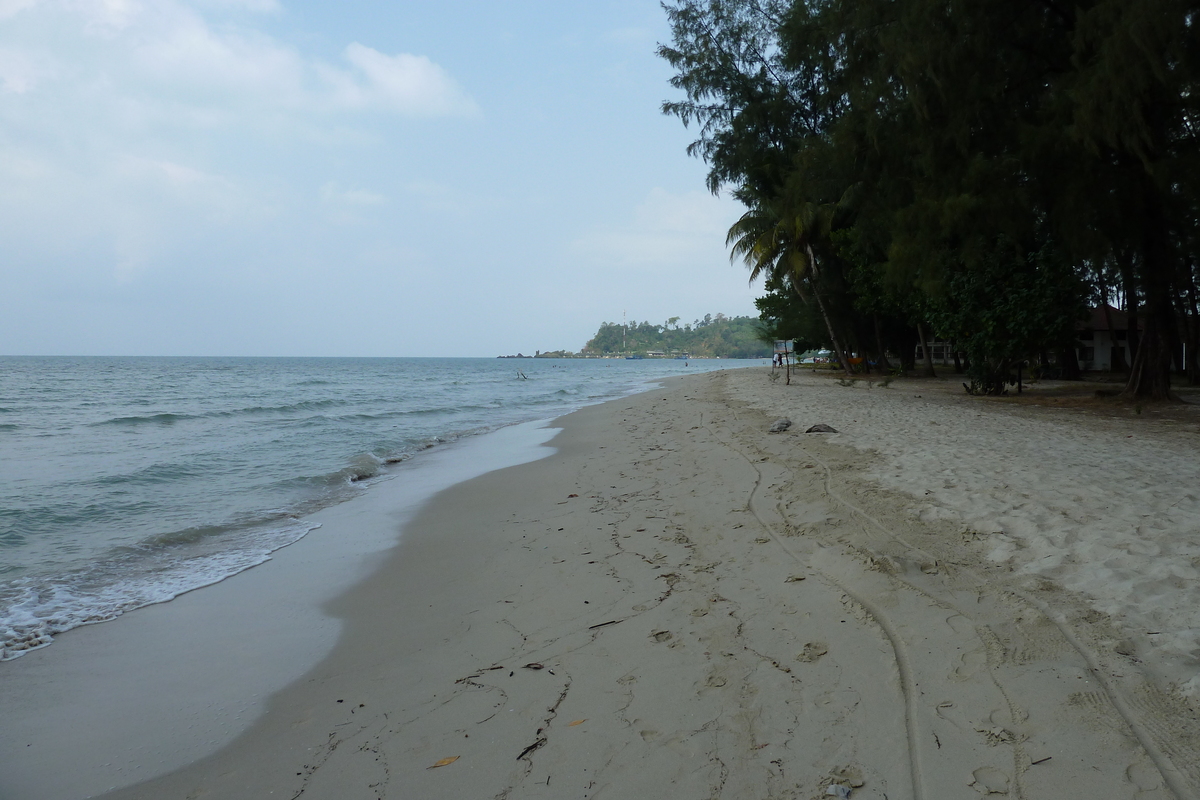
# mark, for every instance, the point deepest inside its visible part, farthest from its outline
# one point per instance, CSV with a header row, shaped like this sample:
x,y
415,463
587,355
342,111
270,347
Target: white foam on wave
x,y
36,609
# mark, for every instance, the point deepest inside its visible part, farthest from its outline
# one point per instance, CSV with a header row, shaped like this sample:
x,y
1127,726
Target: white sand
x,y
679,604
1107,506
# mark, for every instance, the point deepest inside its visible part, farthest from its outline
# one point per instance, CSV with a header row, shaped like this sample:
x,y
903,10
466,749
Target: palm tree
x,y
777,241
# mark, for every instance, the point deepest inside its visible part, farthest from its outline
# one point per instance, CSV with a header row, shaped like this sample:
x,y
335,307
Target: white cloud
x,y
110,16
186,56
177,48
406,83
666,230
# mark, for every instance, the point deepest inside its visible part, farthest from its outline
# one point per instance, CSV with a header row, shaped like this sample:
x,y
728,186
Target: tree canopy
x,y
710,337
976,170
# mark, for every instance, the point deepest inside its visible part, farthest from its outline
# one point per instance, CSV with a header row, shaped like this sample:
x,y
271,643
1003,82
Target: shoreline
x,y
146,506
677,603
172,682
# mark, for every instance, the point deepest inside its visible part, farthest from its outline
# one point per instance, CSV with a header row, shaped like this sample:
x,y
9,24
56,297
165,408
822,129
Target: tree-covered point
x,y
712,337
978,172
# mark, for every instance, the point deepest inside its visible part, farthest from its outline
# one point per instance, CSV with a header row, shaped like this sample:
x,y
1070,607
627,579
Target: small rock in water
x,y
821,427
780,425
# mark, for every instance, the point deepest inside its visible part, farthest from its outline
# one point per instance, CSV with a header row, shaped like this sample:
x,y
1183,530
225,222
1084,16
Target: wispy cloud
x,y
665,229
177,53
405,83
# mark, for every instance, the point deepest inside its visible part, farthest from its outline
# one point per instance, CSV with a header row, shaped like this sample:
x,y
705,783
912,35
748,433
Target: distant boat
x,y
634,358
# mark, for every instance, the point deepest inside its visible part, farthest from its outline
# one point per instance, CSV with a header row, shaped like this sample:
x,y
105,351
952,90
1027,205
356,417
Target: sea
x,y
128,481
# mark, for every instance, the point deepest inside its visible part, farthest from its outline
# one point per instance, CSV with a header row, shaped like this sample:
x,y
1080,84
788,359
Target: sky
x,y
361,178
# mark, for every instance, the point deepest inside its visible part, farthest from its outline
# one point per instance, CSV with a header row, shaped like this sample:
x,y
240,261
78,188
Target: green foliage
x,y
783,316
1008,307
896,156
711,337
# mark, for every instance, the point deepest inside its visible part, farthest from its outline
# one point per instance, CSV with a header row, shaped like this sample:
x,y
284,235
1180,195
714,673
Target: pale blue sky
x,y
274,177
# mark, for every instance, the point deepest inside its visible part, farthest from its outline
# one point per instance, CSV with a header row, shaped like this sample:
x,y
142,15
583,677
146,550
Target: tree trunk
x,y
1132,334
929,373
1070,365
1192,321
1112,336
1150,377
884,366
837,347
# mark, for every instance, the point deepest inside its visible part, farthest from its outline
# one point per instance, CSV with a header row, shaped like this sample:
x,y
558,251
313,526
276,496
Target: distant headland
x,y
714,336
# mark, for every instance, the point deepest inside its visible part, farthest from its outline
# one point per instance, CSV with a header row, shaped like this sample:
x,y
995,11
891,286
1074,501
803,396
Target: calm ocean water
x,y
127,481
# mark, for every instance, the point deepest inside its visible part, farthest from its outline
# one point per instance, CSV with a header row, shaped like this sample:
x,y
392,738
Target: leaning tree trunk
x,y
929,373
837,347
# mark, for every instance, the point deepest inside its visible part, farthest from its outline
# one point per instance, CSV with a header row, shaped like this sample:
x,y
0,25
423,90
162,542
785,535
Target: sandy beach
x,y
949,596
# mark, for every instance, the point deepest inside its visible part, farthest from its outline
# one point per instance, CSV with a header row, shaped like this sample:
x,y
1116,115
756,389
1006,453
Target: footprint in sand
x,y
1004,717
946,711
661,636
1145,777
812,651
989,780
969,664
